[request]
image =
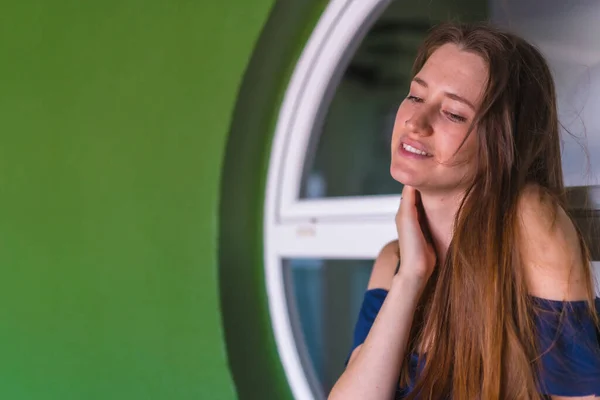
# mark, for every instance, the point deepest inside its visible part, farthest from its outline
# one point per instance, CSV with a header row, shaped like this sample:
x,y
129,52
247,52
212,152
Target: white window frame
x,y
334,36
340,228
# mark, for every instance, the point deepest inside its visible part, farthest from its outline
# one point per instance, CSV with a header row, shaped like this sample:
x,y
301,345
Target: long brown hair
x,y
477,309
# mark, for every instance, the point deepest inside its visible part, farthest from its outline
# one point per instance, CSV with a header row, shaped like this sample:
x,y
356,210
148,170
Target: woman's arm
x,y
374,370
382,275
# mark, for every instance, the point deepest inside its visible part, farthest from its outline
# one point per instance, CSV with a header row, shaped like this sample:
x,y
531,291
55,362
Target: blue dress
x,y
570,368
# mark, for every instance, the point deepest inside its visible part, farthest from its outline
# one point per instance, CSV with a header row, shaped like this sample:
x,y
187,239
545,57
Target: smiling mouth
x,y
413,150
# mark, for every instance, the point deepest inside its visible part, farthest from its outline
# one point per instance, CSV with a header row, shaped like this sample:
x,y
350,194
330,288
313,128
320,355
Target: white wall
x,y
568,33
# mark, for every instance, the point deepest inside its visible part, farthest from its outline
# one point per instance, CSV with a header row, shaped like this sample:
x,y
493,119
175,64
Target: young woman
x,y
488,292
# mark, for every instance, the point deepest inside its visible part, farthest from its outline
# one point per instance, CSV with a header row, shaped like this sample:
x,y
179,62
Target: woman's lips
x,y
411,151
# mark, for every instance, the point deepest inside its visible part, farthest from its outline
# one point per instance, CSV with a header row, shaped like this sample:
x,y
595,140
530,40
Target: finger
x,y
409,193
408,201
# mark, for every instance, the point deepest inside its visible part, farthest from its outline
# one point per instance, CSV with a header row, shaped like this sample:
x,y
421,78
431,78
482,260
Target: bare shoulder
x,y
385,266
549,247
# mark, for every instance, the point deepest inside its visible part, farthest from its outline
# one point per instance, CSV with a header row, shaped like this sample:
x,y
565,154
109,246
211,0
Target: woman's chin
x,y
403,177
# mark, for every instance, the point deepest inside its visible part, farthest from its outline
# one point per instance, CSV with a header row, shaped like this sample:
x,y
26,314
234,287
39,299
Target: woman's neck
x,y
440,212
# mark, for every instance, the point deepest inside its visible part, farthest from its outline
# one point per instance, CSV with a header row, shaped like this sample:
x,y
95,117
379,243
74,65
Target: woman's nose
x,y
419,123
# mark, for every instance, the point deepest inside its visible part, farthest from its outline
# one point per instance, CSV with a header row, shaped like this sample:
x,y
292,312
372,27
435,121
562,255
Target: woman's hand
x,y
417,254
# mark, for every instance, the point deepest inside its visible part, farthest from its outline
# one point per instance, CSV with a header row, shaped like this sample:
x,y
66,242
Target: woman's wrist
x,y
408,283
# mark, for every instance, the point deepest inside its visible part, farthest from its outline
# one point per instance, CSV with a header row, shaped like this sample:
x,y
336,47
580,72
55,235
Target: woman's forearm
x,y
374,372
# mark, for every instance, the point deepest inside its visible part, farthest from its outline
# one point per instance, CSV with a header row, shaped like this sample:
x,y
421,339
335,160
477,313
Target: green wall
x,y
113,123
134,145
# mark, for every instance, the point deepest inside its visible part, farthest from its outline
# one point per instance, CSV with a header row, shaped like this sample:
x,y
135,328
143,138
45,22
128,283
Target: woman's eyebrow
x,y
450,95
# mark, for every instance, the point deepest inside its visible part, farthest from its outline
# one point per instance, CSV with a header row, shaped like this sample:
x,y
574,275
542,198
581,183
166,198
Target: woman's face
x,y
434,119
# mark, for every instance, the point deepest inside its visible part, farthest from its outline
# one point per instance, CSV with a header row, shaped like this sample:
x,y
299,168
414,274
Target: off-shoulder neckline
x,y
534,298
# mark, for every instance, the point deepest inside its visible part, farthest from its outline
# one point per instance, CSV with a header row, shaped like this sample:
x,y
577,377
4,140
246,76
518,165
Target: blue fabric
x,y
570,347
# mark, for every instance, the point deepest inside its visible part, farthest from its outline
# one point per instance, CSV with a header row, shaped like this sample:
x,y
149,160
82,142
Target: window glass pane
x,y
349,151
324,298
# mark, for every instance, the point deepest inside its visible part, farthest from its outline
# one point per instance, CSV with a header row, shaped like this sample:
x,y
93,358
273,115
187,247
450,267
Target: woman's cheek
x,y
466,152
450,150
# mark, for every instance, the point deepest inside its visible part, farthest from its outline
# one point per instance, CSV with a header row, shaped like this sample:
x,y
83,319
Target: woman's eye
x,y
414,99
455,117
